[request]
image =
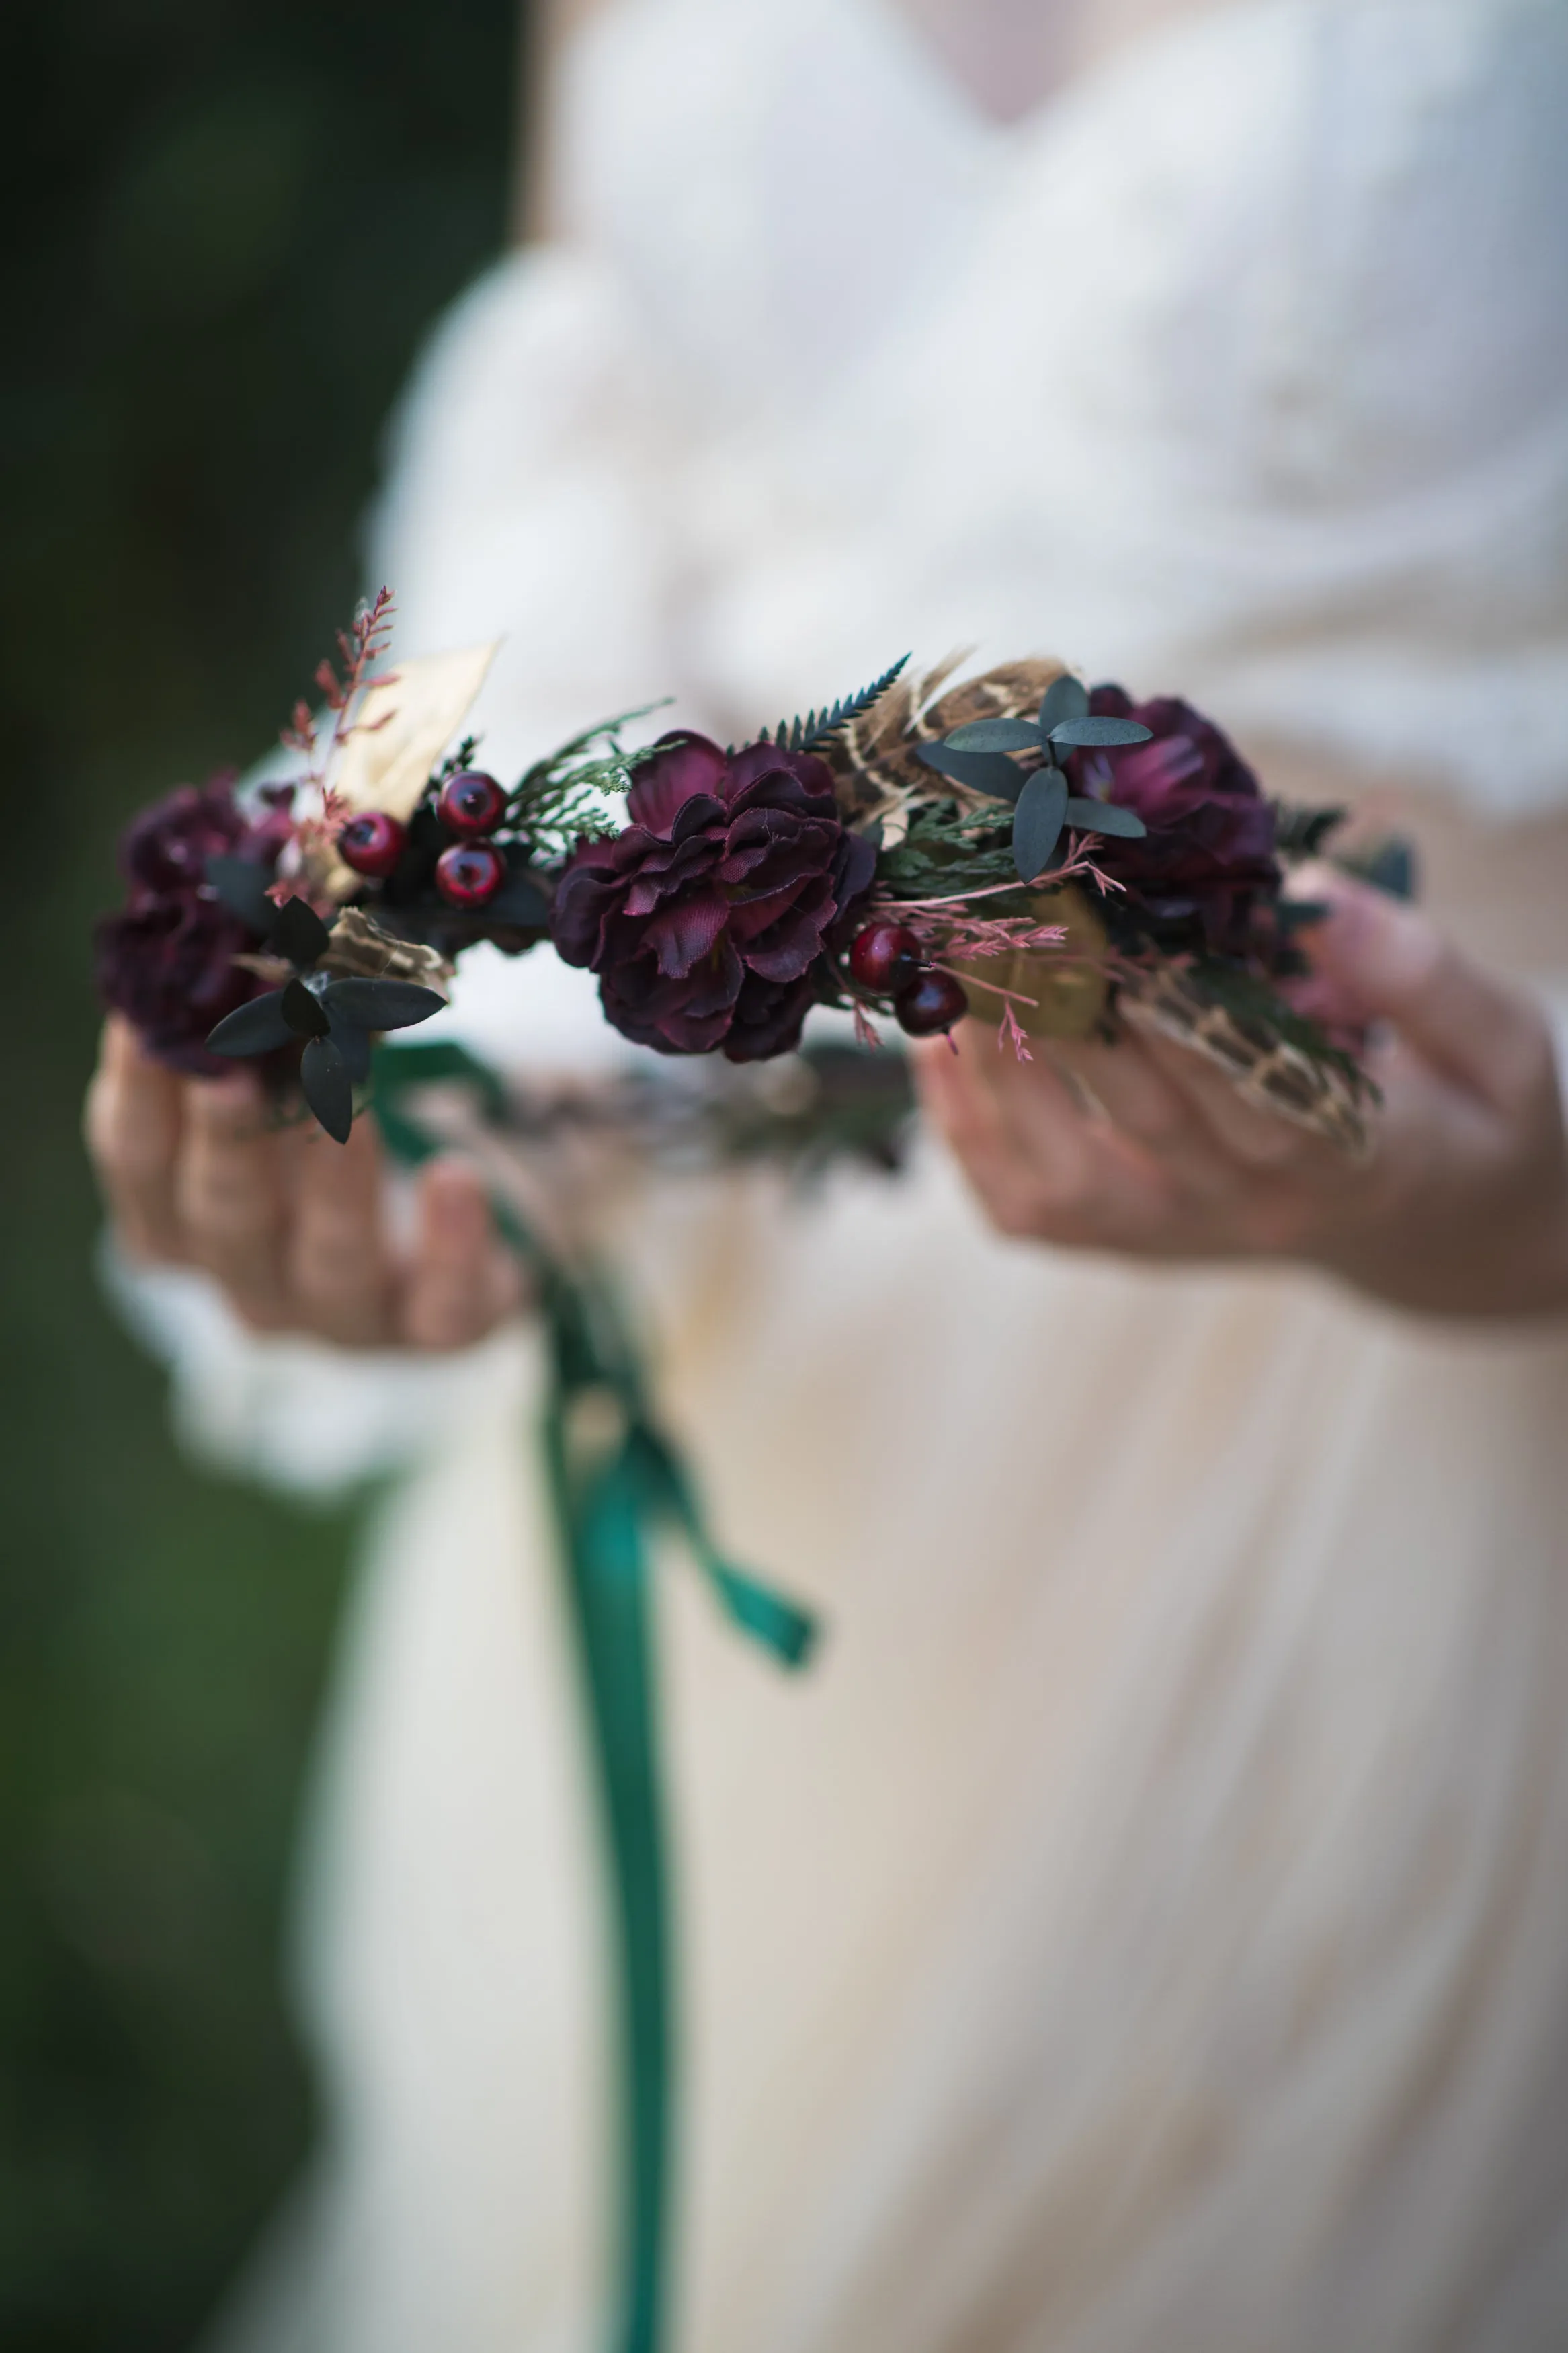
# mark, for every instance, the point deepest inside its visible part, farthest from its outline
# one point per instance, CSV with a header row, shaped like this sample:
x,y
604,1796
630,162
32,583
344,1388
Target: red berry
x,y
935,1001
469,874
471,803
370,844
885,957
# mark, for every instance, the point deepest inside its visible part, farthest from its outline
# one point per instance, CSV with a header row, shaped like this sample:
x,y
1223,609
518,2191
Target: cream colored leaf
x,y
401,728
405,724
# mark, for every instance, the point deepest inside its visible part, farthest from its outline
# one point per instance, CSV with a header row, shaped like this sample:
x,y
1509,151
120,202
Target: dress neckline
x,y
886,20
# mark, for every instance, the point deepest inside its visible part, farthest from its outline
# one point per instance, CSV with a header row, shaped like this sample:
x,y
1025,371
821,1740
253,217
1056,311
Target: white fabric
x,y
1147,1925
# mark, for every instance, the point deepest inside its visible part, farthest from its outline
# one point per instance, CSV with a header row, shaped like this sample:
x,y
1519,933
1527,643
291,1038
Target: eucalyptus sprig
x,y
980,757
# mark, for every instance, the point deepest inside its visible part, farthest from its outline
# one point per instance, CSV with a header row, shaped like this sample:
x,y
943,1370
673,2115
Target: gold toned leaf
x,y
401,728
405,724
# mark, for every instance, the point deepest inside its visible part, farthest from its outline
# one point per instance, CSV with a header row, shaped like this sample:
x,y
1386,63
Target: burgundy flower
x,y
1209,849
166,960
706,919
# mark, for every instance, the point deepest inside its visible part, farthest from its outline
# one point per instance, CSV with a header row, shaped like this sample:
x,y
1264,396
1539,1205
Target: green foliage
x,y
949,850
226,231
1037,821
561,798
804,735
1301,832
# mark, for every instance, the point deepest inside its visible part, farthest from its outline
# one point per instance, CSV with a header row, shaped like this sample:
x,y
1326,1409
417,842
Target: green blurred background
x,y
226,228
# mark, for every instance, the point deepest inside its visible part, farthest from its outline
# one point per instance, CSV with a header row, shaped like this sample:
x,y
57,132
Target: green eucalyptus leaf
x,y
1077,731
1038,822
984,772
519,900
1391,867
241,885
1300,914
996,735
381,1004
352,1043
298,933
302,1010
327,1087
1105,817
255,1028
1065,698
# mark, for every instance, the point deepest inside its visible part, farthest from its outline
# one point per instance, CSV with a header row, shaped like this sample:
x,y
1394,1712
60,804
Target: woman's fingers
x,y
229,1194
1150,1109
133,1124
462,1283
1040,1149
1260,1140
1391,963
290,1224
337,1267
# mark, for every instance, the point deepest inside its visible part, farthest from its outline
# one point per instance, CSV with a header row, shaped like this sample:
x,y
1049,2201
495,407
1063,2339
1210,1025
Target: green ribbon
x,y
616,1481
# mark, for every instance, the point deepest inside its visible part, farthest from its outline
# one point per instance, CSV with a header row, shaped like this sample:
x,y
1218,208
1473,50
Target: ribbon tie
x,y
615,1480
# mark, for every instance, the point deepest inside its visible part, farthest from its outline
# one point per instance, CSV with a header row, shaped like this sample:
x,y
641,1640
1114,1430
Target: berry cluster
x,y
470,870
885,959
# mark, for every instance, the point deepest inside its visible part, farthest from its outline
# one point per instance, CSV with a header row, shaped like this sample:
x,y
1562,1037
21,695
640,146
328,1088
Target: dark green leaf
x,y
816,726
304,1013
1075,732
255,1028
242,886
1300,914
1105,817
520,900
996,735
297,932
353,1044
327,1087
873,833
984,772
380,1004
1301,832
1065,698
1391,867
1038,822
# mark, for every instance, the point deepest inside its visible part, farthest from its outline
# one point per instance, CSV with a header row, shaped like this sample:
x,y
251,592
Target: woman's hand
x,y
293,1226
1143,1147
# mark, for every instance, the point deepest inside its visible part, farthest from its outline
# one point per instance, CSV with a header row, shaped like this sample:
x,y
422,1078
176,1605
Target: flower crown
x,y
1050,858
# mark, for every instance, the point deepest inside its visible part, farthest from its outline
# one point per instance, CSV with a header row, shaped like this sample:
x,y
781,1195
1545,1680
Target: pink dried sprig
x,y
317,831
1081,866
984,935
1077,866
360,646
1008,1033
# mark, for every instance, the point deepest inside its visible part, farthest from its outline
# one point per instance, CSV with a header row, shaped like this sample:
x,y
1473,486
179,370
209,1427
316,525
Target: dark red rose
x,y
1209,849
706,919
166,960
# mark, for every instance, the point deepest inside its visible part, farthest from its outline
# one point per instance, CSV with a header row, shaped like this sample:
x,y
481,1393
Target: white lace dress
x,y
1147,1925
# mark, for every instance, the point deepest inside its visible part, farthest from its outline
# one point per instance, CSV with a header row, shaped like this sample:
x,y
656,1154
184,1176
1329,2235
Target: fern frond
x,y
804,735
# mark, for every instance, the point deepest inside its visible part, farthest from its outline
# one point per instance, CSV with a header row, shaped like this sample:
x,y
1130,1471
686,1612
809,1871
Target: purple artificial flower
x,y
1208,852
166,960
706,918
